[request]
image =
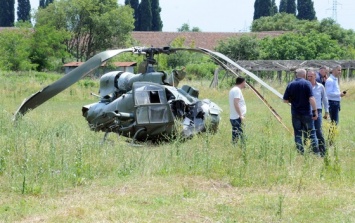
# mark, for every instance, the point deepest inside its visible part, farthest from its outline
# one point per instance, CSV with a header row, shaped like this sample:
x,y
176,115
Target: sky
x,y
234,15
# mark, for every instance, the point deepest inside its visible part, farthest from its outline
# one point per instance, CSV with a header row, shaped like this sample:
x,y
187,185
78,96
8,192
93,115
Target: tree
x,y
245,47
134,5
145,16
273,8
195,29
291,7
15,49
7,13
283,6
262,8
184,28
93,25
157,24
44,3
296,46
278,22
46,46
305,9
23,10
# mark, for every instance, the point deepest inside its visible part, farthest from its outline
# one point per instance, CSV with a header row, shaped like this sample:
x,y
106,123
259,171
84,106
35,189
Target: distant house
x,y
119,66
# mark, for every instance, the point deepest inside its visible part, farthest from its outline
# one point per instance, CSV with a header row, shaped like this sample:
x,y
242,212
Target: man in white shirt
x,y
237,109
334,94
334,97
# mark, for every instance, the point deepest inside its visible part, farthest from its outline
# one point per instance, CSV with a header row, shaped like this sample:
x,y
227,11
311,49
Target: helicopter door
x,y
151,104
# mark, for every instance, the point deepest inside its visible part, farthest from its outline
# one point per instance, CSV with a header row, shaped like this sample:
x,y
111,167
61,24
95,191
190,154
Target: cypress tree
x,y
305,9
7,13
262,8
273,8
256,10
23,10
42,3
283,6
134,5
157,24
48,2
145,16
291,7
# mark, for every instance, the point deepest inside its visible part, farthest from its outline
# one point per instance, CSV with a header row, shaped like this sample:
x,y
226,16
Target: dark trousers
x,y
319,133
334,108
237,130
303,125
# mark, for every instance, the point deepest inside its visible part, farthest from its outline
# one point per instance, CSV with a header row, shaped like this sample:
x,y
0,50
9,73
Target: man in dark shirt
x,y
303,109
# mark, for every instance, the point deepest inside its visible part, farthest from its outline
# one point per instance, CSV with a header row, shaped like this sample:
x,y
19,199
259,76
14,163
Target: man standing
x,y
322,75
299,94
237,109
321,101
333,93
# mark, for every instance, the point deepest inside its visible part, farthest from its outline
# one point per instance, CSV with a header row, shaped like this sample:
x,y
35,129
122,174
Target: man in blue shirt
x,y
321,101
334,94
299,94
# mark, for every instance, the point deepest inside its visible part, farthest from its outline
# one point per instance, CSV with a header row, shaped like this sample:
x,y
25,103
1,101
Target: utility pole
x,y
335,11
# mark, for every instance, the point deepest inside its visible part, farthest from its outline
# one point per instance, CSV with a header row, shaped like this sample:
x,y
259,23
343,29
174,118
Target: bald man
x,y
303,110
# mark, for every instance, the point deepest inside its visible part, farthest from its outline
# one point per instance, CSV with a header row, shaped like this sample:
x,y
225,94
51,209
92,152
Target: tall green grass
x,y
54,169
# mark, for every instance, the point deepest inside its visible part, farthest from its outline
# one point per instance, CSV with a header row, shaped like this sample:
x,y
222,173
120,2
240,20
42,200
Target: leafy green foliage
x,y
244,48
46,46
279,22
15,49
297,46
94,25
342,39
186,28
201,70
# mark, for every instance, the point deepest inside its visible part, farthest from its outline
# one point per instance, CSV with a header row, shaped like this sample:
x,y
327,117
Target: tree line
x,y
304,9
68,30
302,40
146,13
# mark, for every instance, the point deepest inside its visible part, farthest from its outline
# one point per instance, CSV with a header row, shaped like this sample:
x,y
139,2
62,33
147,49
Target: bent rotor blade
x,y
66,81
272,110
250,74
257,93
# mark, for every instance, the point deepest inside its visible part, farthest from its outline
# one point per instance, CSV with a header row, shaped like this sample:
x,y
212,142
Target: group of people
x,y
308,94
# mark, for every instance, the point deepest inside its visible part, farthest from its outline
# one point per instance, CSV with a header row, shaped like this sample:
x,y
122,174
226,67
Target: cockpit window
x,y
149,94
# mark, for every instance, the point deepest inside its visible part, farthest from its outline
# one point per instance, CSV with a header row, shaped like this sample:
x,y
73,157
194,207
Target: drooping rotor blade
x,y
257,93
272,110
66,81
250,74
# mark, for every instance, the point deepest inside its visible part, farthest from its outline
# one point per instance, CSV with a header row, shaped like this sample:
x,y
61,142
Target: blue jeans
x,y
334,108
237,130
319,133
304,124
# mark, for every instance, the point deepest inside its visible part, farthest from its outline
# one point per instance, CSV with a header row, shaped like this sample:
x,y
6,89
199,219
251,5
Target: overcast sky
x,y
233,15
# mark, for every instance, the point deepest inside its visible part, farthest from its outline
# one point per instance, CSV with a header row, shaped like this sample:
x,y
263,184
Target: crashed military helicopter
x,y
147,105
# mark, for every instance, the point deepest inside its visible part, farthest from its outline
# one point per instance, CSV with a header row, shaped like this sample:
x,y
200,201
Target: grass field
x,y
54,169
